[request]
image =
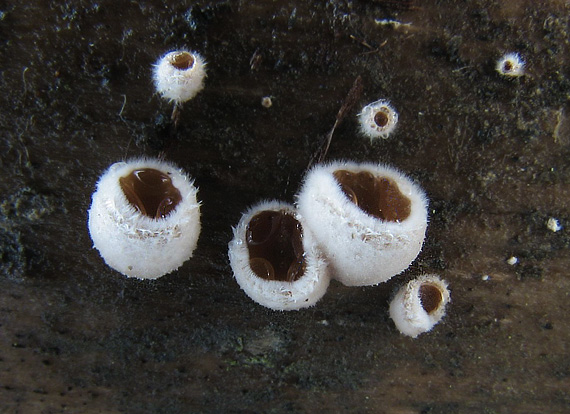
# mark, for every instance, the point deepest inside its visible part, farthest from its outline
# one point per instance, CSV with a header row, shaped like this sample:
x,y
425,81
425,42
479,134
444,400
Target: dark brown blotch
x,y
275,243
182,60
151,192
378,196
381,118
430,297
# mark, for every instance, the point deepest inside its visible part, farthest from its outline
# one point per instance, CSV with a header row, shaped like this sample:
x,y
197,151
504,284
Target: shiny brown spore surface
x,y
381,117
182,60
378,196
151,192
430,297
275,245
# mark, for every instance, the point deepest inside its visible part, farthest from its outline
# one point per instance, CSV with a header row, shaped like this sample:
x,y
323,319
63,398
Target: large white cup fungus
x,y
275,260
144,218
369,219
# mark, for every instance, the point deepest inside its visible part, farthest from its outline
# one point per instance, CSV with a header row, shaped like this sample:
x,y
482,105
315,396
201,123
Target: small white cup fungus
x,y
144,218
510,65
419,305
369,219
275,260
378,119
179,75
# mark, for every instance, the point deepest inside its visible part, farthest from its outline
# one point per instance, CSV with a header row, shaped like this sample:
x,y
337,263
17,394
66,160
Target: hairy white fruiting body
x,y
179,85
362,249
408,312
378,119
274,294
135,244
511,65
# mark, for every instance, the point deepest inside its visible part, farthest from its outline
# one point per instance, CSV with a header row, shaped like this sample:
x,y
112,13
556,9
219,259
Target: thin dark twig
x,y
351,99
371,49
175,117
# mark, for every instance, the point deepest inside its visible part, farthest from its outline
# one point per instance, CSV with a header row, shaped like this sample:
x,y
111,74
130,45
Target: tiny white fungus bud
x,y
378,119
510,65
144,218
419,305
485,278
266,102
369,219
513,260
275,260
553,225
179,75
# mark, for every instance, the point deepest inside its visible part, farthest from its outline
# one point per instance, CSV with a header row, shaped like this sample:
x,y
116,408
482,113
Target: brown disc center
x,y
508,66
275,243
378,196
182,60
381,118
430,296
151,192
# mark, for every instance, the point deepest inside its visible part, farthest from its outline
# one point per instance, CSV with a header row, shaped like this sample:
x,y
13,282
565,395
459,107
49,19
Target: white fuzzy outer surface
x,y
274,294
179,85
362,249
368,125
517,65
406,309
137,245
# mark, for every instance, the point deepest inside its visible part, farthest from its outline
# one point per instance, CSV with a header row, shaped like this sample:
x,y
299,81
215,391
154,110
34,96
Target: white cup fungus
x,y
275,260
144,218
179,75
369,219
510,65
419,305
378,119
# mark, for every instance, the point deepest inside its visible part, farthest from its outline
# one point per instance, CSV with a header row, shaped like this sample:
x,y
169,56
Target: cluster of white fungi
x,y
358,223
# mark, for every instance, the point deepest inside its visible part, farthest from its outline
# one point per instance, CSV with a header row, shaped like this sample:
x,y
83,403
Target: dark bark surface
x,y
491,153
